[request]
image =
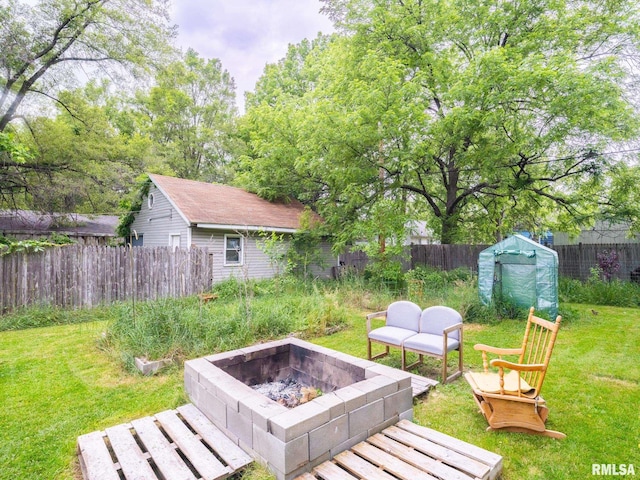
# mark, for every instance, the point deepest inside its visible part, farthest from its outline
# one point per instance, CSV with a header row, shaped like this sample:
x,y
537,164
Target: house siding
x,y
601,233
256,263
157,224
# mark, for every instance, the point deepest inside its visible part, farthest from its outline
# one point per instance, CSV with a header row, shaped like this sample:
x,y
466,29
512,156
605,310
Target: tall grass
x,y
598,292
241,315
248,312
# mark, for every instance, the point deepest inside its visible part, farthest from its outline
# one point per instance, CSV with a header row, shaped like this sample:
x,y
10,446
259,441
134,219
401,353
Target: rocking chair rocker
x,y
511,401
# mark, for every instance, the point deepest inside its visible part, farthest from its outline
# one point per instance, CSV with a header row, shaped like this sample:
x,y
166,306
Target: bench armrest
x,y
374,315
457,326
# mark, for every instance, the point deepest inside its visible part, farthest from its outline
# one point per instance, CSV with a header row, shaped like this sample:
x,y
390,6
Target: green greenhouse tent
x,y
520,271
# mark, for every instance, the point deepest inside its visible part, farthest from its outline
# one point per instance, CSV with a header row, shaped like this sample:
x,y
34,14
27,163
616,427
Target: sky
x,y
245,35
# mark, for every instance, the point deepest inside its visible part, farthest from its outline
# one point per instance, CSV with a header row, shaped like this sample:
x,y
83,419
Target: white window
x,y
232,250
174,241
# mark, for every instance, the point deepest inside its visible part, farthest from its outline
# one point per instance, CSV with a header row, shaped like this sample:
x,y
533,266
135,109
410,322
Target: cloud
x,y
246,34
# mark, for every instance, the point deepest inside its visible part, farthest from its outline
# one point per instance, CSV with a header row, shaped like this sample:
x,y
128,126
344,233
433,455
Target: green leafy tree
x,y
12,155
621,202
85,163
45,43
273,161
480,116
190,116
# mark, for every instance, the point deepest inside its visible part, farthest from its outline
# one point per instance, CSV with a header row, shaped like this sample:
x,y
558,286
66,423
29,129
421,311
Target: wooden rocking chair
x,y
511,401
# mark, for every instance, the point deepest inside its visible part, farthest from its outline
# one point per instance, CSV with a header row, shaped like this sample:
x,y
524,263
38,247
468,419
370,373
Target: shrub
x,y
435,278
430,278
385,274
462,274
608,264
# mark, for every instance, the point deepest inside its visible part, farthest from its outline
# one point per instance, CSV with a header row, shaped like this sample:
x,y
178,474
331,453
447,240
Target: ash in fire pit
x,y
288,392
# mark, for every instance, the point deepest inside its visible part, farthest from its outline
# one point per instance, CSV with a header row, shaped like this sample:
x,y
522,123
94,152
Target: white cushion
x,y
391,335
426,342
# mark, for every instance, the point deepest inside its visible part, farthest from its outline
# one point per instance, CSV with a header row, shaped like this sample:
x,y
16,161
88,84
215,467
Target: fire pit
x,y
359,398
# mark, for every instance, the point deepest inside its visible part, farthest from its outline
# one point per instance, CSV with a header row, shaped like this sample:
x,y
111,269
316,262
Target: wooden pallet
x,y
179,444
421,385
412,452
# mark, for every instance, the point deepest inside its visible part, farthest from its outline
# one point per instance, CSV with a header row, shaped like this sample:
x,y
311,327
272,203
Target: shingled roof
x,y
212,205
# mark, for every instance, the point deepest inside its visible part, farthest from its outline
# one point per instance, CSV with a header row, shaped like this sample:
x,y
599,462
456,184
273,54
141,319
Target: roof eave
x,y
245,228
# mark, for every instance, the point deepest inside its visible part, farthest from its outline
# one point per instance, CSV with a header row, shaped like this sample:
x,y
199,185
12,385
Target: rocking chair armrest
x,y
374,315
496,350
521,367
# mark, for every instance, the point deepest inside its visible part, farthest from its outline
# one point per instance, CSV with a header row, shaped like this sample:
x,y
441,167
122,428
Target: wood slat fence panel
x,y
576,261
85,276
446,257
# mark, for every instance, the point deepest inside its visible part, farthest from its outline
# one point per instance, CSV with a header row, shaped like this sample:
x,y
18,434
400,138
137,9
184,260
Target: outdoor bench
x,y
434,331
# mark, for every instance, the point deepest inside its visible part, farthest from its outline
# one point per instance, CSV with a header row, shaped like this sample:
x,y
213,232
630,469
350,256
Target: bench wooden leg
x,y
379,355
414,364
444,367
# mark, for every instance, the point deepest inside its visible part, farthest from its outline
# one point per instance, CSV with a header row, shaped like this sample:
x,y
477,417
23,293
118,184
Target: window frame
x,y
239,250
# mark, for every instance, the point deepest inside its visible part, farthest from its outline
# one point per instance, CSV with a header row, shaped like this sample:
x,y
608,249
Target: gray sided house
x,y
229,222
603,232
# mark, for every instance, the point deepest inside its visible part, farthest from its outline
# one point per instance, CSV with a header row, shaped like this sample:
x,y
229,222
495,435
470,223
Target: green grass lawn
x,y
592,389
55,384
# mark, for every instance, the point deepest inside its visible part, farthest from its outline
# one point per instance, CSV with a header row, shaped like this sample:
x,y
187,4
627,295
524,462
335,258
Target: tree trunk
x,y
450,227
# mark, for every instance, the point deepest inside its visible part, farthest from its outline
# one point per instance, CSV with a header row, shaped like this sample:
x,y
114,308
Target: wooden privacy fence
x,y
442,257
84,276
446,257
574,261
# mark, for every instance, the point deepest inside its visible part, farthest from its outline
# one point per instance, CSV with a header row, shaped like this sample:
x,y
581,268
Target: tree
x,y
621,199
273,161
190,115
480,117
44,46
62,34
85,163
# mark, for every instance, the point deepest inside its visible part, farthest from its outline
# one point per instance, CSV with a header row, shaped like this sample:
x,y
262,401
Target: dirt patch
x,y
616,381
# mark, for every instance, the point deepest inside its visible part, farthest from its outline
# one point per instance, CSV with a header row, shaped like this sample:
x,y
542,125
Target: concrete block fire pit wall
x,y
359,398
